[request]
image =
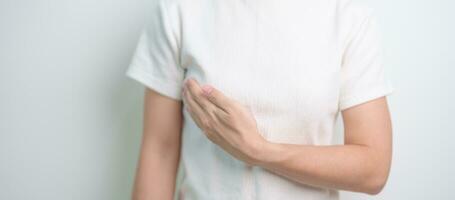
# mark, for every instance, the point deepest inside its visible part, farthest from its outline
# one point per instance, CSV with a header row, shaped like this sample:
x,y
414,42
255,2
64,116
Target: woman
x,y
242,97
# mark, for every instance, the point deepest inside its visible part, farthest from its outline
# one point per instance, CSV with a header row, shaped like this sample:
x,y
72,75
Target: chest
x,y
274,62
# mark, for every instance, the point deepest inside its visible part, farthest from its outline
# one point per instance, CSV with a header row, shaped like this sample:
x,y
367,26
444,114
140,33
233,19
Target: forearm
x,y
346,167
156,172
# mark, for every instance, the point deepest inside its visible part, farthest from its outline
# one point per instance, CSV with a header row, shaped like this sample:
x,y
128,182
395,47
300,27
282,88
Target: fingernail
x,y
207,89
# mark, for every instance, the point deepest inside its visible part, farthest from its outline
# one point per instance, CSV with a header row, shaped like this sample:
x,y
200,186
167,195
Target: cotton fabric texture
x,y
295,64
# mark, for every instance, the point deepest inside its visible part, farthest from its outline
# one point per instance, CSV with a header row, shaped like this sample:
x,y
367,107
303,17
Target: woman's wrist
x,y
266,153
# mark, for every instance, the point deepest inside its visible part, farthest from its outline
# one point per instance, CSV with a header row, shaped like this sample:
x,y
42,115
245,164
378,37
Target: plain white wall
x,y
70,121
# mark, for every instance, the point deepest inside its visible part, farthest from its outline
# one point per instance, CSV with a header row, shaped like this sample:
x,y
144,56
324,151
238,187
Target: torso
x,y
280,58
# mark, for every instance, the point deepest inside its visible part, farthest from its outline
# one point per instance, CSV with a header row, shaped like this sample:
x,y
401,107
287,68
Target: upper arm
x,y
162,118
363,91
369,124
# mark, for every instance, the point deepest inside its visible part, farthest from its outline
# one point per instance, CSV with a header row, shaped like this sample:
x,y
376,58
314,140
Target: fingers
x,y
201,106
196,93
217,97
193,108
207,102
200,116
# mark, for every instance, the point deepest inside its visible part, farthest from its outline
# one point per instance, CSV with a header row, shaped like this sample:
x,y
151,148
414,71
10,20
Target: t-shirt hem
x,y
371,94
159,85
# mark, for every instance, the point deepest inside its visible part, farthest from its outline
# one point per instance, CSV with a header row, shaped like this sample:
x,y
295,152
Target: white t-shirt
x,y
295,63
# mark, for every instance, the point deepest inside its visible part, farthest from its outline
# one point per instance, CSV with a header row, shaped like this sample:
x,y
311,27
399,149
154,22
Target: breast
x,y
289,106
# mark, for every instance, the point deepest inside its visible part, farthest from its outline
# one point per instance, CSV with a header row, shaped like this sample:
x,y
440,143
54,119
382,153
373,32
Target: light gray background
x,y
70,121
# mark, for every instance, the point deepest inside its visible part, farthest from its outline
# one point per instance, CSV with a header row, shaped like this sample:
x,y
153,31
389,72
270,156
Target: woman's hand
x,y
224,121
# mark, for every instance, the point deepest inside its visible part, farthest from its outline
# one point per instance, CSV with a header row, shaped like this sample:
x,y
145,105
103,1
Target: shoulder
x,y
352,13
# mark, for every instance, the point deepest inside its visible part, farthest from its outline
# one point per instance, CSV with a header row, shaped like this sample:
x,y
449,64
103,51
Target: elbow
x,y
375,184
375,174
375,187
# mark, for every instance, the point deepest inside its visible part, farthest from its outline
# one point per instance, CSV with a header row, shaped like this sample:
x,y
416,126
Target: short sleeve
x,y
155,62
362,71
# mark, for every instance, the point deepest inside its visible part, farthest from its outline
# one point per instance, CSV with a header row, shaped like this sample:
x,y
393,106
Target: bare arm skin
x,y
160,148
361,165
